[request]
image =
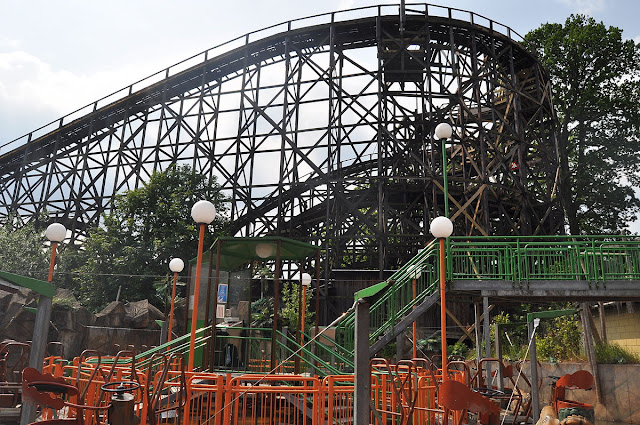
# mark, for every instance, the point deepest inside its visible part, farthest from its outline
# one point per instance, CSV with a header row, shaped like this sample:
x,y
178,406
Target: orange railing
x,y
401,393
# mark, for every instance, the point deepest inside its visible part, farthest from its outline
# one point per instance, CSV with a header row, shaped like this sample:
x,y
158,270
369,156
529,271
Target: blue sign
x,y
223,293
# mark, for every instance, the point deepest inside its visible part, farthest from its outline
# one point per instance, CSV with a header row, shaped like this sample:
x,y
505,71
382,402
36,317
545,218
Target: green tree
x,y
595,77
146,228
23,250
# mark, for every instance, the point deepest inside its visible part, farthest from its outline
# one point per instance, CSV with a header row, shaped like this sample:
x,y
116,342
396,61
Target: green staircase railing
x,y
514,260
407,287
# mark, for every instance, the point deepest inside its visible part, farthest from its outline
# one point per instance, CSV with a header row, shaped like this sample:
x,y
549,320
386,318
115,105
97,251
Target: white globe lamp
x,y
264,250
443,131
203,212
305,279
176,265
441,227
56,232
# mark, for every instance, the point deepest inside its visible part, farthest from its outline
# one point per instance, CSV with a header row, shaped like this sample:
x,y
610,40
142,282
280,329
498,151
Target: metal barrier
x,y
516,260
399,392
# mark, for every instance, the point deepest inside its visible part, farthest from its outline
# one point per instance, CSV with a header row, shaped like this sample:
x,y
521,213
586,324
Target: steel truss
x,y
322,133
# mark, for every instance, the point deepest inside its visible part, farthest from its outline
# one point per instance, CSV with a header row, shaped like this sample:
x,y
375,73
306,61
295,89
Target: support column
x,y
38,346
486,329
535,397
590,349
603,327
362,375
498,346
476,312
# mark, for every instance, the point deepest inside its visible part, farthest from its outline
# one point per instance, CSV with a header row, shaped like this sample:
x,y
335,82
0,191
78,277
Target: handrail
x,y
398,299
225,47
596,259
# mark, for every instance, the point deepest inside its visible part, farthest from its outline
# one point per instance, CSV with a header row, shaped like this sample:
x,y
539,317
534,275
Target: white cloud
x,y
34,92
6,42
636,39
586,7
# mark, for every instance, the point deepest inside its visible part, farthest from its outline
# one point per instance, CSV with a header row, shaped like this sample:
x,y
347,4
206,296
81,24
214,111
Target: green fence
x,y
596,259
514,260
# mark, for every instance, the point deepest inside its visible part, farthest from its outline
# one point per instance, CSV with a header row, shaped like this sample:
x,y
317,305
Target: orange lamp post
x,y
176,265
442,228
203,212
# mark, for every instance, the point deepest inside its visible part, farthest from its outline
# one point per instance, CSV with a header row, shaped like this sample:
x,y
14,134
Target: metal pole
x,y
304,307
196,295
535,400
173,299
443,312
444,178
415,324
362,375
498,346
39,339
476,312
214,324
296,361
486,327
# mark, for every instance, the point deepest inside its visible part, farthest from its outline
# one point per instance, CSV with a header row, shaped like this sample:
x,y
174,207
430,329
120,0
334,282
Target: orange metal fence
x,y
400,393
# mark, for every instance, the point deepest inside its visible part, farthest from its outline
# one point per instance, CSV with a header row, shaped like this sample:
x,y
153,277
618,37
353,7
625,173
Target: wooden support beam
x,y
603,326
591,353
460,325
471,328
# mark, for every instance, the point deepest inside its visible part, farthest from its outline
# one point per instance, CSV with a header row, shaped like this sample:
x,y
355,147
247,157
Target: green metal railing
x,y
595,259
514,260
407,287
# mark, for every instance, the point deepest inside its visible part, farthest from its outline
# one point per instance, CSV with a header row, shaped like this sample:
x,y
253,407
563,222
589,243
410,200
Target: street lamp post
x,y
443,132
203,212
56,233
176,265
442,228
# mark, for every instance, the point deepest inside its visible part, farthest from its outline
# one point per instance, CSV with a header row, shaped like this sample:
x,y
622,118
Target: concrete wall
x,y
622,328
620,388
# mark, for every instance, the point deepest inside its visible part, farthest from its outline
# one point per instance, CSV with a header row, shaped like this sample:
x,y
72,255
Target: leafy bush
x,y
458,349
560,339
613,353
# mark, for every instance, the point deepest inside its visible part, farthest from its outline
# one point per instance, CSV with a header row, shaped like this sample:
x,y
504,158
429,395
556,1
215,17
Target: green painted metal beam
x,y
550,314
39,286
371,291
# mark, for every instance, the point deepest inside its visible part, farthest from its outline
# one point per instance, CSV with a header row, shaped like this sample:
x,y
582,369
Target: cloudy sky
x,y
57,56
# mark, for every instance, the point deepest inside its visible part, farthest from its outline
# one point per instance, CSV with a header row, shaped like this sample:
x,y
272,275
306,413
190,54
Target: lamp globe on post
x,y
203,212
56,233
443,132
442,228
176,265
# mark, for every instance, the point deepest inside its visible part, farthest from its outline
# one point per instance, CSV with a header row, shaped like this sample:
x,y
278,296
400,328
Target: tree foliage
x,y
595,76
146,229
23,250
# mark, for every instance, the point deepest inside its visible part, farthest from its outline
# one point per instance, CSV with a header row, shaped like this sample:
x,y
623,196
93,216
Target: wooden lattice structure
x,y
321,129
